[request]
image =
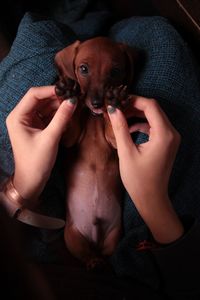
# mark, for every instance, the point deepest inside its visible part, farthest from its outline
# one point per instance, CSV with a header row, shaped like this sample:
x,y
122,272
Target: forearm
x,y
30,188
162,220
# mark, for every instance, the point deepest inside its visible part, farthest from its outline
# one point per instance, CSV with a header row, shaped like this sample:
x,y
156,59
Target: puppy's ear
x,y
64,60
132,56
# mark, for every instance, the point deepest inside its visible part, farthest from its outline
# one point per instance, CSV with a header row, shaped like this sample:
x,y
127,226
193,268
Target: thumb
x,y
61,118
124,142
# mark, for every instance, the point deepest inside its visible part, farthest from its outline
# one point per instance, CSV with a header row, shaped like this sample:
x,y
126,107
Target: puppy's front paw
x,y
117,96
67,88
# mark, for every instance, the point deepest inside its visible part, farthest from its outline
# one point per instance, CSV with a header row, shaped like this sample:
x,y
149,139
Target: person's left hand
x,y
35,127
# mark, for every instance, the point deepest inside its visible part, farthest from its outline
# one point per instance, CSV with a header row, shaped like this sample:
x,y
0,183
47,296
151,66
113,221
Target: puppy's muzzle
x,y
97,102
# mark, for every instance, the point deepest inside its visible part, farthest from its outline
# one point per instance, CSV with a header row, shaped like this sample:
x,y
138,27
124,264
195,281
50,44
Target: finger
x,y
47,106
32,99
121,131
45,112
131,111
61,118
155,116
141,127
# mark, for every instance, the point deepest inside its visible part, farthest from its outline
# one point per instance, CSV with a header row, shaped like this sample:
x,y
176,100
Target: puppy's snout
x,y
97,102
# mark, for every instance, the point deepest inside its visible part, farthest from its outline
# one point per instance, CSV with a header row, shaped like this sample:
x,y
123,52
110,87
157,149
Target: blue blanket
x,y
168,74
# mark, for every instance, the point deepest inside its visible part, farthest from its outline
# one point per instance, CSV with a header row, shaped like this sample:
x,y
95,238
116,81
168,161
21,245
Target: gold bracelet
x,y
11,193
25,215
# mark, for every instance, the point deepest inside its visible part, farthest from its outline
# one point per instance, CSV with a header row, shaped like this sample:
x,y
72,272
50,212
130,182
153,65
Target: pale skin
x,y
144,169
35,141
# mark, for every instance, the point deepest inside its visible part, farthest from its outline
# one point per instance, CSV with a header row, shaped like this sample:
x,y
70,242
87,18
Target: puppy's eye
x,y
83,69
115,73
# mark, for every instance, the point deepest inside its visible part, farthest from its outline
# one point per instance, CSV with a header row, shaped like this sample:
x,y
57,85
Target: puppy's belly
x,y
93,203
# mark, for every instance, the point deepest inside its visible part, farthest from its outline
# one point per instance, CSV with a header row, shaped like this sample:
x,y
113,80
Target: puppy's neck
x,y
93,139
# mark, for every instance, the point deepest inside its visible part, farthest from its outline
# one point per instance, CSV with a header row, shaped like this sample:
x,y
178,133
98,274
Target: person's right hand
x,y
145,169
35,127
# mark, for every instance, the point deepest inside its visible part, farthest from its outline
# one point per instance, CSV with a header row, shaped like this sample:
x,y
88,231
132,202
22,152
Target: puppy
x,y
98,72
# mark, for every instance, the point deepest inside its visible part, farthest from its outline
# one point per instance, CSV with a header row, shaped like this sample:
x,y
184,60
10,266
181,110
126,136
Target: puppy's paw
x,y
67,88
117,96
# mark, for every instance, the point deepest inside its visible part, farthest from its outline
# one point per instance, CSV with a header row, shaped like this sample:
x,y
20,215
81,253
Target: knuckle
x,y
173,137
152,105
170,137
152,102
31,91
177,137
9,120
12,120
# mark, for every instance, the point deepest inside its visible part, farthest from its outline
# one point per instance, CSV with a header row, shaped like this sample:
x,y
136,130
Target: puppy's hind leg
x,y
111,241
81,248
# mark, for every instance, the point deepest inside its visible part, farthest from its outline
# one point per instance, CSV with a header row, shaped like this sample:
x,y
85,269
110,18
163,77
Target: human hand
x,y
35,127
145,169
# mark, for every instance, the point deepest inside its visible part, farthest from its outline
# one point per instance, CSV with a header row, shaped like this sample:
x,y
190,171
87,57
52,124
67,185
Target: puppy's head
x,y
97,64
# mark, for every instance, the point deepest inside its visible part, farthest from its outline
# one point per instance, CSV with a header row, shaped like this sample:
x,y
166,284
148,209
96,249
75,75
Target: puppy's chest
x,y
93,149
92,163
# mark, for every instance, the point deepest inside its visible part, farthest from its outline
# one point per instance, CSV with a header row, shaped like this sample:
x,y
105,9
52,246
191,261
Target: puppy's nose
x,y
97,103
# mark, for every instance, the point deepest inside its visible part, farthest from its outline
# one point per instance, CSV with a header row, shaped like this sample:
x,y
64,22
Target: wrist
x,y
13,203
162,220
28,188
168,229
10,197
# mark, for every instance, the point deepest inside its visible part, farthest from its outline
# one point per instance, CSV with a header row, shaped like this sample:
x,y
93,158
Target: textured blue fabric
x,y
169,74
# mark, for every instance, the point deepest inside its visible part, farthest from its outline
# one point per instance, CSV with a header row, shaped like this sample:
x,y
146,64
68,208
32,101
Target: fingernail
x,y
72,100
111,109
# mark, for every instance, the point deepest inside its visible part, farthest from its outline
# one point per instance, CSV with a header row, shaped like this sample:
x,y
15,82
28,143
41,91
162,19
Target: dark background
x,y
184,14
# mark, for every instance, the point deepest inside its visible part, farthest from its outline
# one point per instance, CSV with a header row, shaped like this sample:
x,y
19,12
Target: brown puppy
x,y
98,72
